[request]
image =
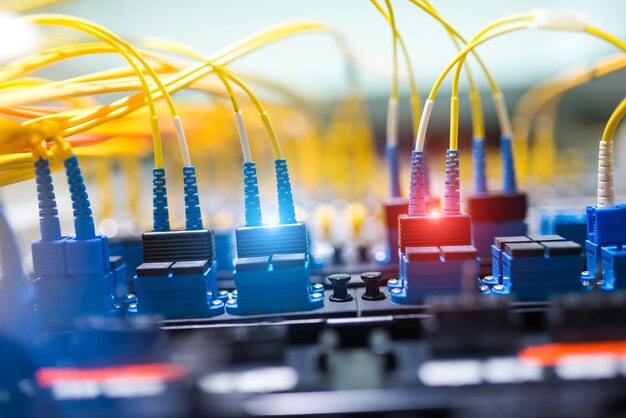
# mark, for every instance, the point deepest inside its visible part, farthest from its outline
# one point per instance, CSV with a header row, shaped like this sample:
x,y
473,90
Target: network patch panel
x,y
321,272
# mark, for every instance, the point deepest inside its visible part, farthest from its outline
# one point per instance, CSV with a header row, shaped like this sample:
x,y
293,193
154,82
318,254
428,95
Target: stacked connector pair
x,y
272,271
178,276
534,267
435,251
495,214
73,274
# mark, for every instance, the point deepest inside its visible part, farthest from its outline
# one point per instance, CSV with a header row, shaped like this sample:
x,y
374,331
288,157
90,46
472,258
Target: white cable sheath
x,y
182,141
504,120
558,20
421,131
392,121
606,192
243,137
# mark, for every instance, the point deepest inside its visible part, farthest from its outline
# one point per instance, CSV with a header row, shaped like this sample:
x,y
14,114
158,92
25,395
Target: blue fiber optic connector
x,y
272,272
73,275
73,278
178,278
436,256
606,237
569,225
535,267
495,215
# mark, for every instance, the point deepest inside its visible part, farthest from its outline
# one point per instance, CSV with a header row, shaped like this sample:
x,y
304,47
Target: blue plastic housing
x,y
224,249
483,234
73,278
606,226
606,229
178,278
131,251
495,215
572,227
174,290
531,268
272,272
614,267
593,253
120,282
440,273
435,255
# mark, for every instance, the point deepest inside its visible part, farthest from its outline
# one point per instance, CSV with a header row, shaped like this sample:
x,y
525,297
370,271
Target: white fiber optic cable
x,y
243,137
182,141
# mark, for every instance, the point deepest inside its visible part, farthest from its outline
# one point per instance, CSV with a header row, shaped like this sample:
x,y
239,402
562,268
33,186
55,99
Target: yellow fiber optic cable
x,y
415,99
587,28
225,74
187,76
476,108
394,37
32,111
419,144
16,176
488,28
125,50
265,37
230,91
450,29
12,161
260,39
489,33
454,104
543,98
124,106
614,120
37,61
31,63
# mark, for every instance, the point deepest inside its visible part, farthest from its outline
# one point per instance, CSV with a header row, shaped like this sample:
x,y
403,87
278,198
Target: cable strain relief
x,y
286,209
391,152
83,218
193,215
49,225
417,191
252,201
452,192
606,188
426,175
509,182
480,174
160,213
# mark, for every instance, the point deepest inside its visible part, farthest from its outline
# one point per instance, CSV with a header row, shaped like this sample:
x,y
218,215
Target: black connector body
x,y
172,246
497,207
178,278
